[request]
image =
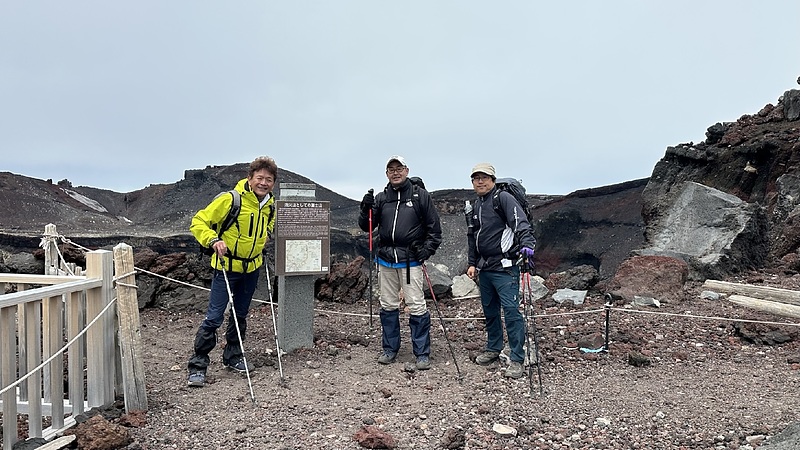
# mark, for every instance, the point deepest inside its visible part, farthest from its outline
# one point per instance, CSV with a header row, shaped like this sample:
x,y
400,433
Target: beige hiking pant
x,y
392,281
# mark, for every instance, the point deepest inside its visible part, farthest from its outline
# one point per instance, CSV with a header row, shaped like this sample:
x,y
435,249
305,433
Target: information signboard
x,y
303,237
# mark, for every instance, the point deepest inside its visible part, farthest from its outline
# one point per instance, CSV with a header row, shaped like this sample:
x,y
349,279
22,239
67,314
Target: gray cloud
x,y
566,97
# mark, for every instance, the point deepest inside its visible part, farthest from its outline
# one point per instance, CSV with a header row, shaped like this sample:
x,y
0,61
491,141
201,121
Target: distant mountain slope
x,y
157,210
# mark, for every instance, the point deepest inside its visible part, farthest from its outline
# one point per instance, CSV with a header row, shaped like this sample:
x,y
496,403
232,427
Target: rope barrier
x,y
451,319
695,316
560,314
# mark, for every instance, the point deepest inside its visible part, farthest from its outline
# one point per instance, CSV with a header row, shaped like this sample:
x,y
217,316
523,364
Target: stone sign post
x,y
302,253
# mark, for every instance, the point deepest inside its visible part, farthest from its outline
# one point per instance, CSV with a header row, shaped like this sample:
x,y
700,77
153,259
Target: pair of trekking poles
x,y
239,332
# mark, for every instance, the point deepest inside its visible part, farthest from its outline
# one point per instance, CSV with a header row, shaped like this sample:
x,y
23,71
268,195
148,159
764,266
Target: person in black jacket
x,y
409,233
500,236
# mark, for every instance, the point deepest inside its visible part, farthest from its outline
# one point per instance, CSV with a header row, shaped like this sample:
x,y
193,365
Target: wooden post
x,y
8,374
33,330
51,262
100,349
53,309
76,304
130,337
22,346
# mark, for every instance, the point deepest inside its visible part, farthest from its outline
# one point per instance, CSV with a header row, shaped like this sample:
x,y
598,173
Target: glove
x,y
526,256
419,252
367,201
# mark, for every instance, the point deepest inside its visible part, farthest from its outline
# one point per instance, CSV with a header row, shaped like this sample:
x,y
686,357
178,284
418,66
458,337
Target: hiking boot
x,y
239,366
197,379
386,357
423,362
515,370
487,357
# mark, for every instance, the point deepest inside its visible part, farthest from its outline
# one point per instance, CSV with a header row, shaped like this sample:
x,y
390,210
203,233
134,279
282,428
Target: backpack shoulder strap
x,y
497,206
415,189
233,213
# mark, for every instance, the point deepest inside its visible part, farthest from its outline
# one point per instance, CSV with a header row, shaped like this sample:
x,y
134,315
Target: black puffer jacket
x,y
406,220
498,234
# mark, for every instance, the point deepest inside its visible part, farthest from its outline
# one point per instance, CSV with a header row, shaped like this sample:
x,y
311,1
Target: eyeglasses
x,y
481,178
395,169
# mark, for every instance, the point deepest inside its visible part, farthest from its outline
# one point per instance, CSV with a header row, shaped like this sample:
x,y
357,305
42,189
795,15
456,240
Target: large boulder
x,y
714,232
658,277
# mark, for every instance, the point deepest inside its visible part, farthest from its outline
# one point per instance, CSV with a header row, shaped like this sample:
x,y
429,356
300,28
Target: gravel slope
x,y
705,386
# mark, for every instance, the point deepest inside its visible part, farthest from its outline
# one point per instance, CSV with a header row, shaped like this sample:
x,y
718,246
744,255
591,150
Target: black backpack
x,y
517,190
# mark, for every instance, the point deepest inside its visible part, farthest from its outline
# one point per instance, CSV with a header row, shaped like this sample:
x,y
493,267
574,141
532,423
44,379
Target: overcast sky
x,y
565,95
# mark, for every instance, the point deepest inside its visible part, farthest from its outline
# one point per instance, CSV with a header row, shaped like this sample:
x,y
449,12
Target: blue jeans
x,y
500,289
243,286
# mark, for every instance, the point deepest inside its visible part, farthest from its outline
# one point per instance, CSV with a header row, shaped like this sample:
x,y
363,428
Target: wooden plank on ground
x,y
781,309
748,290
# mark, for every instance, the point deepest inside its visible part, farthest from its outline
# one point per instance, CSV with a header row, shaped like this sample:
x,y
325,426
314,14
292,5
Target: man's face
x,y
261,183
482,183
396,173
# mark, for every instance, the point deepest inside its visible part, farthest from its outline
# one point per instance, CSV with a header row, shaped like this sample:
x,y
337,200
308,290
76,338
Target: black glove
x,y
367,201
420,253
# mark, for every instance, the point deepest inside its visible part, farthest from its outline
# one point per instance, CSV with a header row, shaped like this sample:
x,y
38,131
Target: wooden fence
x,y
89,321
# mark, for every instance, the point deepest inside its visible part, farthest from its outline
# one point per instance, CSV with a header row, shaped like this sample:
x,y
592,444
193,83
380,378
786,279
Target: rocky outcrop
x,y
757,160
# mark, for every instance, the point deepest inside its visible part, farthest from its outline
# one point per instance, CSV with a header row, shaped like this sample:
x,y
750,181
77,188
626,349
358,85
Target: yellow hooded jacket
x,y
246,238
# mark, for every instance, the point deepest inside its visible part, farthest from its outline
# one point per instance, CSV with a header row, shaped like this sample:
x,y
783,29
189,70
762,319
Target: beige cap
x,y
397,158
486,168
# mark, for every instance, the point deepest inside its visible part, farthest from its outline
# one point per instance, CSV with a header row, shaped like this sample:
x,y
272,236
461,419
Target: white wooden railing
x,y
90,320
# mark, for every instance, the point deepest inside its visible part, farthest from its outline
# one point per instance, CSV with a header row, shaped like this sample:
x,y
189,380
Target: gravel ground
x,y
697,383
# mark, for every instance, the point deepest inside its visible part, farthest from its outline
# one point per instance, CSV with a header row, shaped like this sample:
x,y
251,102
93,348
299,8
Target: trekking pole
x,y
238,332
441,321
370,264
607,307
274,320
527,298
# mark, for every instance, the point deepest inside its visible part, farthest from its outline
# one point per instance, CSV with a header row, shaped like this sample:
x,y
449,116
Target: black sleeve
x,y
472,253
433,226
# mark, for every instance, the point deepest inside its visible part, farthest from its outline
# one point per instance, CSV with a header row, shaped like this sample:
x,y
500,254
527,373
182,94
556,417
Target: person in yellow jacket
x,y
239,251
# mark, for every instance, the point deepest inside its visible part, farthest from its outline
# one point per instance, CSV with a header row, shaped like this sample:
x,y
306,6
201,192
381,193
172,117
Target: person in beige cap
x,y
500,235
409,233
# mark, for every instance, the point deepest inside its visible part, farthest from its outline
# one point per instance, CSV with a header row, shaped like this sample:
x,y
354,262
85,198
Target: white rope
x,y
68,241
171,279
449,319
119,277
63,349
694,316
50,240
